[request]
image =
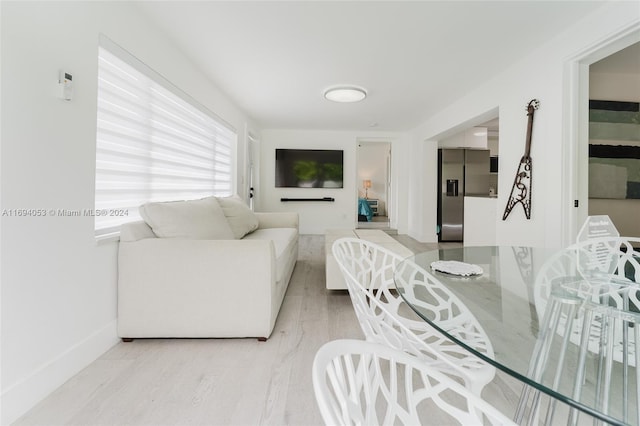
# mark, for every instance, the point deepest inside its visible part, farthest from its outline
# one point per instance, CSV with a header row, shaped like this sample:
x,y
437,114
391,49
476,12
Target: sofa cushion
x,y
284,240
194,219
240,217
135,231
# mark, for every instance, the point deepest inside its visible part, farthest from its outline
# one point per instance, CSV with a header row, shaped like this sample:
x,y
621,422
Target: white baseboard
x,y
23,395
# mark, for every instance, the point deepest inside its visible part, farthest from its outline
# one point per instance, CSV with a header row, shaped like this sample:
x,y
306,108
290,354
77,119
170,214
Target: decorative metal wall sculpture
x,y
521,189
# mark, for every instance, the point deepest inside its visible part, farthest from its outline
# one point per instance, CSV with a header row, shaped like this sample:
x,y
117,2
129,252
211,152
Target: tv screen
x,y
309,168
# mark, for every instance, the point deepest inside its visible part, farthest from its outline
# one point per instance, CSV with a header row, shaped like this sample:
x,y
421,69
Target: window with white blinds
x,y
154,143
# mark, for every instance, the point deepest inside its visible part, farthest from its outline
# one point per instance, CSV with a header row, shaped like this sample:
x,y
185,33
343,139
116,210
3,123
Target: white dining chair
x,y
596,269
369,269
362,383
593,351
588,298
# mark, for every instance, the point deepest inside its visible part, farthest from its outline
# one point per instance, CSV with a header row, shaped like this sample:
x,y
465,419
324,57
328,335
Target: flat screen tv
x,y
309,168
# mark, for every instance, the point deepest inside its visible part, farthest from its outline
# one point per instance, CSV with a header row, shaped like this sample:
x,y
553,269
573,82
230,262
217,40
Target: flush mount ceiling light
x,y
345,94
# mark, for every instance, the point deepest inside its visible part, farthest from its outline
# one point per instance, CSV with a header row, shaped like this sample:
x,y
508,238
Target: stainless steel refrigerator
x,y
460,172
451,194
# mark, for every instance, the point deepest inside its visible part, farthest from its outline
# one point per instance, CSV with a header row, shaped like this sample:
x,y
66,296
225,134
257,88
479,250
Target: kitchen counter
x,y
480,217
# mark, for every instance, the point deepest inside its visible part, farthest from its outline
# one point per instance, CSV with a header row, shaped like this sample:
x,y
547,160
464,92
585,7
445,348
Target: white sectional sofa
x,y
181,276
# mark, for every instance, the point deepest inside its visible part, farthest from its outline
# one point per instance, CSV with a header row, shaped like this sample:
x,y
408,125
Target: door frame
x,y
252,167
575,153
389,202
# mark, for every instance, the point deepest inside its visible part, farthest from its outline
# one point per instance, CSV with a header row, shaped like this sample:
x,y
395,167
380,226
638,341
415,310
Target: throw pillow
x,y
240,217
195,219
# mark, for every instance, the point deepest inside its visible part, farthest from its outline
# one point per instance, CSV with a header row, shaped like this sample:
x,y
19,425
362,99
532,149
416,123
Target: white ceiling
x,y
274,59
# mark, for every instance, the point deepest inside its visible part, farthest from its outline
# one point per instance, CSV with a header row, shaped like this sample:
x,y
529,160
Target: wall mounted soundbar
x,y
308,199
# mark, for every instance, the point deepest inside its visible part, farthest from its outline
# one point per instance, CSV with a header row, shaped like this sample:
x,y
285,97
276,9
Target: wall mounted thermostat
x,y
65,86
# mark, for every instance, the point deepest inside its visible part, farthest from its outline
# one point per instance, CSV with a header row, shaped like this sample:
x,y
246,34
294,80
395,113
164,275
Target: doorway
x,y
468,184
373,180
614,139
575,196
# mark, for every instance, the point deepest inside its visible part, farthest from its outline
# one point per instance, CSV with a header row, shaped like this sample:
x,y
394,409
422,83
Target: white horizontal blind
x,y
152,145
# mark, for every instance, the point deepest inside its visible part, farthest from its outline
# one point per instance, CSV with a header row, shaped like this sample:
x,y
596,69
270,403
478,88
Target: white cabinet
x,y
476,137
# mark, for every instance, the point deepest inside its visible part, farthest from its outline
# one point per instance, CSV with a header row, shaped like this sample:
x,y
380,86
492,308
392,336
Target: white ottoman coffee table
x,y
335,280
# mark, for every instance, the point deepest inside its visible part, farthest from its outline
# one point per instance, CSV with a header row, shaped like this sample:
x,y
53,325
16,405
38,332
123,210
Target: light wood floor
x,y
226,381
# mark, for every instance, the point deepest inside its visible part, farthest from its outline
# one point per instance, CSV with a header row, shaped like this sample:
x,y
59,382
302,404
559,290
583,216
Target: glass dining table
x,y
561,327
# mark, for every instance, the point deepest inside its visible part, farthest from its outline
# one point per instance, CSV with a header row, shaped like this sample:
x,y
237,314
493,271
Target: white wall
x,y
540,75
58,286
614,87
422,189
316,217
